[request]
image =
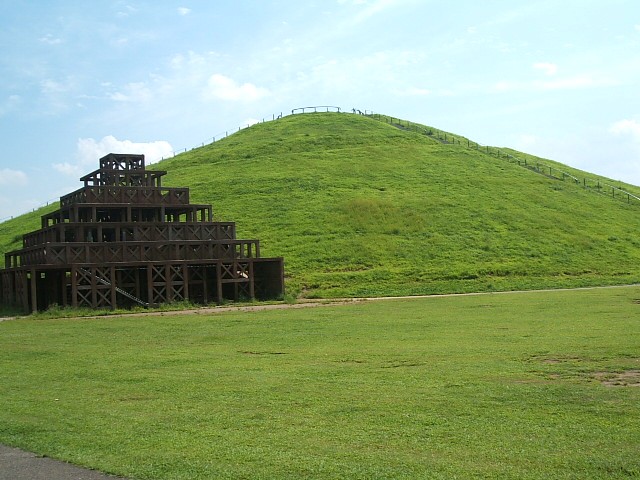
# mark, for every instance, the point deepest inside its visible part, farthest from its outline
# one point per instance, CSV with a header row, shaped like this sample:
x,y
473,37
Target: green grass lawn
x,y
527,386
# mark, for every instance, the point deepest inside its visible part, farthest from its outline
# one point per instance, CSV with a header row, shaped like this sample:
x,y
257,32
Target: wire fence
x,y
595,184
274,117
551,171
217,137
45,204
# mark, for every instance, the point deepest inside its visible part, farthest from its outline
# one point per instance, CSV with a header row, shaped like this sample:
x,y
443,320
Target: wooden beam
x,y
34,291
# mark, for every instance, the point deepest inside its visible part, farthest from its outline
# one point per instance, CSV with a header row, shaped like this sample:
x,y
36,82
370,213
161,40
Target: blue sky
x,y
559,79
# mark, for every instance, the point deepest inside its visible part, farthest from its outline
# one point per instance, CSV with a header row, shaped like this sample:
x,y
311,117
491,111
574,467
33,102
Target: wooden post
x,y
94,288
205,284
34,291
168,282
74,287
252,291
136,276
112,272
151,300
219,282
63,282
185,281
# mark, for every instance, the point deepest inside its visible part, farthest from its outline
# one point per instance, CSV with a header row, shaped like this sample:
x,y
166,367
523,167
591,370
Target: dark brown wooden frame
x,y
124,240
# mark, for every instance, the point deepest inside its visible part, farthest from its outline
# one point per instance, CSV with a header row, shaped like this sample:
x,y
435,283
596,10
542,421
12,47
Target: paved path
x,y
17,464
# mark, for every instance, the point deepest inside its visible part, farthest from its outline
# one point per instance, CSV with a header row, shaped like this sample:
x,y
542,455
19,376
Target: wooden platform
x,y
123,240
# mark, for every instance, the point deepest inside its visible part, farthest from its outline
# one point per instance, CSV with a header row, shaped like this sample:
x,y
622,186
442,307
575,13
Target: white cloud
x,y
525,142
374,8
352,76
133,92
226,88
57,95
629,130
127,10
547,68
250,121
49,87
184,11
566,83
89,151
50,40
578,81
504,86
69,169
626,127
9,177
10,104
413,92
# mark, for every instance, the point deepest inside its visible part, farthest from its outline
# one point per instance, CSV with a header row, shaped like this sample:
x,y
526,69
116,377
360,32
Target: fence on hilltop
x,y
594,184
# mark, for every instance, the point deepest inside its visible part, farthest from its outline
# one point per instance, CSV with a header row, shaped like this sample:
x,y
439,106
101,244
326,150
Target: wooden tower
x,y
123,240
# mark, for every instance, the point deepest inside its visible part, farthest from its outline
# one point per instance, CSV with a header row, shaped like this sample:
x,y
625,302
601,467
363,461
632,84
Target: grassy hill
x,y
359,207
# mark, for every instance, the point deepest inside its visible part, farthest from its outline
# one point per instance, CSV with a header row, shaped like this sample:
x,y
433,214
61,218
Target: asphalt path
x,y
16,464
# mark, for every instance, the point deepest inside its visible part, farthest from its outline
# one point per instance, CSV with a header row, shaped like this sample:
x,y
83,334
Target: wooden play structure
x,y
124,240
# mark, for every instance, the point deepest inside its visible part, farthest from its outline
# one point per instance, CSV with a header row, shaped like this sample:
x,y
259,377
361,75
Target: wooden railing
x,y
136,231
65,254
132,195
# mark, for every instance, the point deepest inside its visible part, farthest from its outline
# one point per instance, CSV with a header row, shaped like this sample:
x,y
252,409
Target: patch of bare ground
x,y
560,367
554,361
628,378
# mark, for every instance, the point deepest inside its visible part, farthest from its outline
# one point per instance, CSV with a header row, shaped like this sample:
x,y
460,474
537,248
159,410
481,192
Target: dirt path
x,y
309,303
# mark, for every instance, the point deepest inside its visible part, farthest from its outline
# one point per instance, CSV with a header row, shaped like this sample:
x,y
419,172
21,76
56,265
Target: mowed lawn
x,y
523,385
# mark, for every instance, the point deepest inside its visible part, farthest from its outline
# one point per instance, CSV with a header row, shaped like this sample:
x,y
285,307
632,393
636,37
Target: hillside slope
x,y
358,207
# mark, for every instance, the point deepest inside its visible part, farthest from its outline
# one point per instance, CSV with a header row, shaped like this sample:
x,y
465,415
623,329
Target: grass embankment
x,y
526,386
360,208
11,231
